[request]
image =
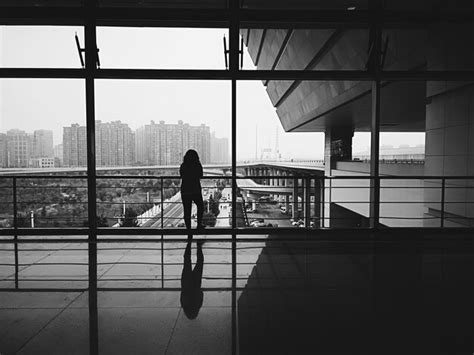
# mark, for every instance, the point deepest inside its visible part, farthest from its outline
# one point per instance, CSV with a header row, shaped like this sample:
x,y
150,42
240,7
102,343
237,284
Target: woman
x,y
191,173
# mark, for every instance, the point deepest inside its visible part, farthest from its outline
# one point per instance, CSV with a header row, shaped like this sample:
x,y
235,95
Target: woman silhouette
x,y
191,173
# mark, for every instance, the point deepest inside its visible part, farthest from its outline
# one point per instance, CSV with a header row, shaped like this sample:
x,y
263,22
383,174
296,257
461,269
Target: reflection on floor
x,y
286,297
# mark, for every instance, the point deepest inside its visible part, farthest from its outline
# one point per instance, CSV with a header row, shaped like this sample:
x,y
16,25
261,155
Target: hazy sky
x,y
52,104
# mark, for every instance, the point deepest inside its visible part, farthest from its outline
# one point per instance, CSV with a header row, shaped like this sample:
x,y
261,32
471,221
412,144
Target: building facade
x,y
74,146
58,155
219,150
115,144
42,144
19,148
3,151
165,144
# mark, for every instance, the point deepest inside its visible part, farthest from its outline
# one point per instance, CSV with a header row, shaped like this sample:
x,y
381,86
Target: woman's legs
x,y
187,202
200,208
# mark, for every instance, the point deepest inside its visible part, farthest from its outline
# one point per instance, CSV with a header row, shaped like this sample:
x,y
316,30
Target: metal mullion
x,y
197,74
122,16
168,74
375,67
32,15
40,73
234,44
91,57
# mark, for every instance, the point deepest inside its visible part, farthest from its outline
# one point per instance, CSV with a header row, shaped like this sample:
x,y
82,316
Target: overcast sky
x,y
52,104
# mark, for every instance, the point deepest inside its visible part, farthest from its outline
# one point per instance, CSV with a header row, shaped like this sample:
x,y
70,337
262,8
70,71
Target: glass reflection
x,y
191,279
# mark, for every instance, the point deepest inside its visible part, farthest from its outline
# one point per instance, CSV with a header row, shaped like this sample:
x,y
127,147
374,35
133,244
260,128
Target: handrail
x,y
302,176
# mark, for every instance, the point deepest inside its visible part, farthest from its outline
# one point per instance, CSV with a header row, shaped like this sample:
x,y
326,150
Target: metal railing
x,y
43,202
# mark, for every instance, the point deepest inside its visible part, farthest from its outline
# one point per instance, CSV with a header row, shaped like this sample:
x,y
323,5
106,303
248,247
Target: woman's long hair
x,y
191,158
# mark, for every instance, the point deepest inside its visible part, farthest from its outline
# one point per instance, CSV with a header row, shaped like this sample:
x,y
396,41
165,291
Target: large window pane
x,y
40,46
145,128
38,135
275,157
161,48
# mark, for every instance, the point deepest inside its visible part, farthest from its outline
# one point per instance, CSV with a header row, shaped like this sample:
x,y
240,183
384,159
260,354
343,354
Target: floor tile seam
x,y
49,322
172,331
37,261
110,267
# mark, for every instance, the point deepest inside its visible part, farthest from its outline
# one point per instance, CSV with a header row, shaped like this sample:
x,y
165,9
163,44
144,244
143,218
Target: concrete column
x,y
318,200
287,203
307,201
337,146
294,211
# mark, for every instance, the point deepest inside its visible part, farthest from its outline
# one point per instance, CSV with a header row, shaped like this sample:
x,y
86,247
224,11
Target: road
x,y
173,213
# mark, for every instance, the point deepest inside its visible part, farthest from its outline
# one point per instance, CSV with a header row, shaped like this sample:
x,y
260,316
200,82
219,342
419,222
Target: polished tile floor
x,y
267,296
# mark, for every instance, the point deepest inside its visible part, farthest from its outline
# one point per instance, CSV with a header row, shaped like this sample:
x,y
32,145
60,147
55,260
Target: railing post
x,y
15,227
294,210
161,200
443,196
307,202
317,202
162,236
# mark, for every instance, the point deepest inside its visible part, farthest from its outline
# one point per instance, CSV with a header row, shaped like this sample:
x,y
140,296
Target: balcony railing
x,y
46,238
31,204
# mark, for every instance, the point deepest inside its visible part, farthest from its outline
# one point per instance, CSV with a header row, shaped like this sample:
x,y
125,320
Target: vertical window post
x,y
91,60
375,69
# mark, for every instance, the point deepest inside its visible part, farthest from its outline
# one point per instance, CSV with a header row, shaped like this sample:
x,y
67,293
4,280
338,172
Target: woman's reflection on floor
x,y
191,293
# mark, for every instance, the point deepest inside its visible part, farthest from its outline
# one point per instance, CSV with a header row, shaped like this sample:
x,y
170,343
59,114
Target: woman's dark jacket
x,y
191,175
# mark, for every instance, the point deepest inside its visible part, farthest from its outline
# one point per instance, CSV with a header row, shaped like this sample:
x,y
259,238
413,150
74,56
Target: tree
x,y
129,219
214,206
209,219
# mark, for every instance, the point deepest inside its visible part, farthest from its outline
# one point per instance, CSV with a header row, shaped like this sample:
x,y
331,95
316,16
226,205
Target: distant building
x,y
74,146
43,144
58,155
165,144
19,148
115,144
3,151
219,150
389,152
43,162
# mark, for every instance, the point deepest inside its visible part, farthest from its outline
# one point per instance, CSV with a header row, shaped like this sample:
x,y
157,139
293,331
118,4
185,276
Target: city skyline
x,y
116,145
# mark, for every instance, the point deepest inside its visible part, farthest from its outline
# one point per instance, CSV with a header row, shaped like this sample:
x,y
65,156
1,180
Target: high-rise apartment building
x,y
19,148
42,144
3,151
74,146
58,155
165,144
115,144
219,150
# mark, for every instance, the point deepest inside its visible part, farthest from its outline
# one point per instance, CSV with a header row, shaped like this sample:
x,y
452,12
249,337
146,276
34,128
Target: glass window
x,y
161,48
40,46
